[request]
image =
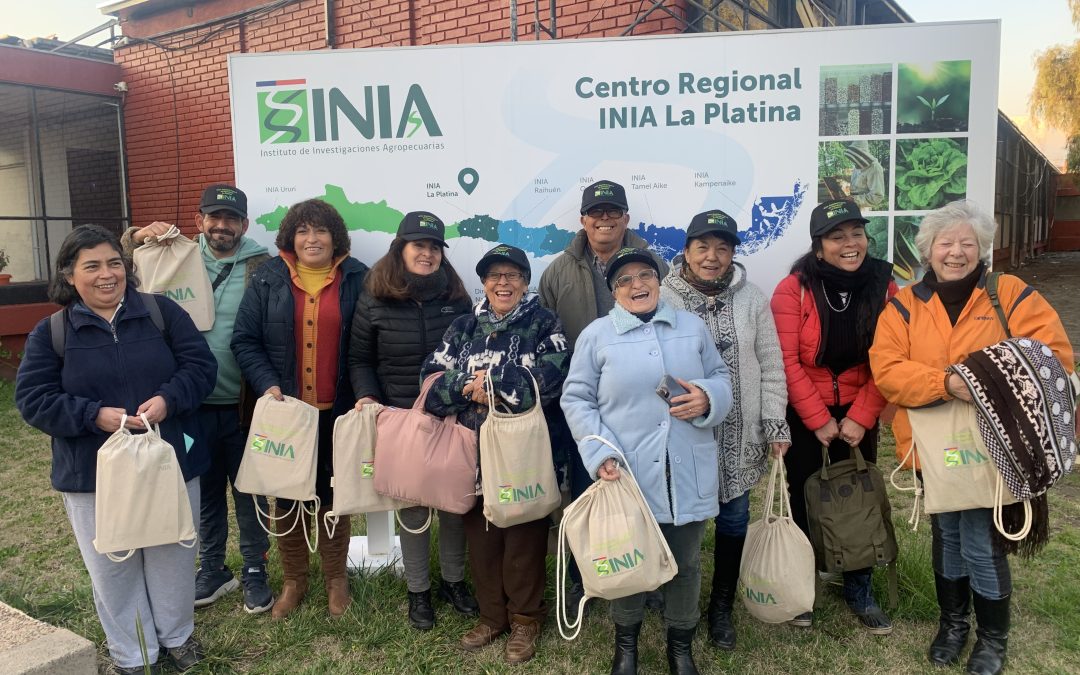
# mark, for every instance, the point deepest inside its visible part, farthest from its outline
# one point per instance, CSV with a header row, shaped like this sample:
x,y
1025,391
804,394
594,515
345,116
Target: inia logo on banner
x,y
289,112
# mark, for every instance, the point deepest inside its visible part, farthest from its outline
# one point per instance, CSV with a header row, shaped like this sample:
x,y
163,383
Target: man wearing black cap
x,y
229,258
575,287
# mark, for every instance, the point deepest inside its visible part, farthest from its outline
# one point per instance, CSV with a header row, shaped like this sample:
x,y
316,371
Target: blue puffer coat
x,y
611,392
264,339
119,366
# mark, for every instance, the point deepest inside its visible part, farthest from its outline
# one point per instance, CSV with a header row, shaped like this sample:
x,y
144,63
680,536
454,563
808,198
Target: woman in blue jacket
x,y
612,391
117,361
292,339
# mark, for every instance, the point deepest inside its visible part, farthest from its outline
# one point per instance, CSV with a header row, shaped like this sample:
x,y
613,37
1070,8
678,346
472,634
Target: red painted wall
x,y
199,73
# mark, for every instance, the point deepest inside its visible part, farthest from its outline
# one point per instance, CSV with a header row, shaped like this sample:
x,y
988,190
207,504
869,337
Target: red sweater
x,y
812,388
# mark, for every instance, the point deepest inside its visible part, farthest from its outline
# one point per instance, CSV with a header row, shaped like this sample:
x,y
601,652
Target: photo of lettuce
x,y
930,172
877,234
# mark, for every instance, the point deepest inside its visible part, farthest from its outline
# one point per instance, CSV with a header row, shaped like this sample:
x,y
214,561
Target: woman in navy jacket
x,y
116,362
292,339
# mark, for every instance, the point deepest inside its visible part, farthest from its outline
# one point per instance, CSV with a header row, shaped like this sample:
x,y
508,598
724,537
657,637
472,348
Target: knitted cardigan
x,y
742,327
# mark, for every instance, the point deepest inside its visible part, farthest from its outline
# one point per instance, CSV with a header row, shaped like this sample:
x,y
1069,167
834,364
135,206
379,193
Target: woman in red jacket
x,y
826,311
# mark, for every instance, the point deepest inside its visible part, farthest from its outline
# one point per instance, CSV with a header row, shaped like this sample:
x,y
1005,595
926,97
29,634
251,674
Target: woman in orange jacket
x,y
926,328
825,313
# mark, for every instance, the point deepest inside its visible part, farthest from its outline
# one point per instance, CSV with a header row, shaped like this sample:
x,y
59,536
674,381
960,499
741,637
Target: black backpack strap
x,y
222,275
150,300
992,291
58,331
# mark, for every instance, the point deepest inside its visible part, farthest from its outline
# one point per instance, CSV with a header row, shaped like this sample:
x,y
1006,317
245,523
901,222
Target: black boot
x,y
680,651
954,599
421,613
992,630
458,595
625,661
727,555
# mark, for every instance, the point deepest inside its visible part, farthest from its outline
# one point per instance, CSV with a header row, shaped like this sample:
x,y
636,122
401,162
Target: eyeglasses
x,y
600,213
494,277
645,276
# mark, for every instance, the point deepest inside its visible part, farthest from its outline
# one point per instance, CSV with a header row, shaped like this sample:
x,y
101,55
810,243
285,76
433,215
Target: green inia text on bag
x,y
176,271
776,572
613,535
280,460
516,471
850,517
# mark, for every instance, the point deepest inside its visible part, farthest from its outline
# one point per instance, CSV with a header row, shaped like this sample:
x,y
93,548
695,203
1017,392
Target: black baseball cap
x,y
227,197
628,255
504,253
714,222
603,193
417,225
828,215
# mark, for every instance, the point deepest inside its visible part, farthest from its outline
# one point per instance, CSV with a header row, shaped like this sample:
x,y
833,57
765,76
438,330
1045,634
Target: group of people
x,y
690,370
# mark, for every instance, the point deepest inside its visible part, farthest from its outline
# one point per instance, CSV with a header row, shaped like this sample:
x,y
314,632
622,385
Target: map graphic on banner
x,y
499,140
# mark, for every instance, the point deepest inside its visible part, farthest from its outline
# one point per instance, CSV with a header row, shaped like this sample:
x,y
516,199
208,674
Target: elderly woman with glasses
x,y
510,338
648,378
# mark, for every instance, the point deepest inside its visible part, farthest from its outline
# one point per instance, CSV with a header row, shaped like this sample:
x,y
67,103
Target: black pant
x,y
804,457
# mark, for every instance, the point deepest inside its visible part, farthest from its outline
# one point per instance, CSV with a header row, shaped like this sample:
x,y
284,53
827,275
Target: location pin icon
x,y
468,179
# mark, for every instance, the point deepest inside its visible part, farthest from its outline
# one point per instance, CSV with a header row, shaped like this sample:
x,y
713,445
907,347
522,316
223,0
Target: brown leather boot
x,y
521,646
334,554
294,564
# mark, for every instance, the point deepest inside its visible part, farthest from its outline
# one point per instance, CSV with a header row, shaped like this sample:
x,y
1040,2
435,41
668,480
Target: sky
x,y
1028,26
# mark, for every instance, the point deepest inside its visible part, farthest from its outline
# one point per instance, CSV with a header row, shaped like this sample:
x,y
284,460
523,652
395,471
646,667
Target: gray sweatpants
x,y
157,584
416,548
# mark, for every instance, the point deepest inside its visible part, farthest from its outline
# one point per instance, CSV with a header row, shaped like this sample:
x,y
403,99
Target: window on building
x,y
61,165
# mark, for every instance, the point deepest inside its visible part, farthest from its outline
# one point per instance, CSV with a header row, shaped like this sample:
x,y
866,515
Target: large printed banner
x,y
499,140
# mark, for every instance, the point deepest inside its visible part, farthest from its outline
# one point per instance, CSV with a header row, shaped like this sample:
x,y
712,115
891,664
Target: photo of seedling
x,y
877,234
855,100
930,172
907,267
933,97
857,170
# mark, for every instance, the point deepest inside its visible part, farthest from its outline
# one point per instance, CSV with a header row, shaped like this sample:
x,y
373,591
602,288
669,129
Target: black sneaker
x,y
457,593
875,621
421,613
212,584
257,594
186,655
804,620
113,669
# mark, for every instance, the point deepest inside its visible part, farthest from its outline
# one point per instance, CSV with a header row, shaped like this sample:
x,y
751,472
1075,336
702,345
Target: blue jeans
x,y
734,516
221,427
963,547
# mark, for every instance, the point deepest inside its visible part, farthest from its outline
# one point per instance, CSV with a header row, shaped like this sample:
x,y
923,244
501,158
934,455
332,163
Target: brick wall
x,y
166,185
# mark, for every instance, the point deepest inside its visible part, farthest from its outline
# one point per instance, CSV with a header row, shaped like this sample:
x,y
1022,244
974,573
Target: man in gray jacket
x,y
229,258
574,286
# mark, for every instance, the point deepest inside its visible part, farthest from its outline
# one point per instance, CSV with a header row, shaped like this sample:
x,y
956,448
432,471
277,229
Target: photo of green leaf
x,y
933,97
877,234
930,172
907,265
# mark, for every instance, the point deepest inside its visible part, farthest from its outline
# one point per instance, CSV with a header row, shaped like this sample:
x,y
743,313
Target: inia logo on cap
x,y
226,195
836,209
428,222
604,190
500,250
717,219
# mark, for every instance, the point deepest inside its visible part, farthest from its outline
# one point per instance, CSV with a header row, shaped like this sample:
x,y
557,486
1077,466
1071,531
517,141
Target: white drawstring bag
x,y
516,470
616,542
177,272
354,468
140,498
280,460
776,572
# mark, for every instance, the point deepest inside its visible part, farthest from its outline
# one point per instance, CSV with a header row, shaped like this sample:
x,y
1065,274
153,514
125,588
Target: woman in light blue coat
x,y
611,391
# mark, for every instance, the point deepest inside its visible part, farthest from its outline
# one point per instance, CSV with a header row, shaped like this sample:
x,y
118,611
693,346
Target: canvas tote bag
x,y
425,459
177,272
777,567
140,499
280,460
516,470
616,542
354,468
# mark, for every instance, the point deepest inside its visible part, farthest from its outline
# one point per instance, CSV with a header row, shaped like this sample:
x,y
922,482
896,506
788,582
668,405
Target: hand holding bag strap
x,y
489,387
429,382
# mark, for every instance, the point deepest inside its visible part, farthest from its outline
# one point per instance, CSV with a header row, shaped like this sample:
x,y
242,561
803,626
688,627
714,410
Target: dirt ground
x,y
1057,277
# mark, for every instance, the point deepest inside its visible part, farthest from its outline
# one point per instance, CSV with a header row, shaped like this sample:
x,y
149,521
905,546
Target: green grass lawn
x,y
41,573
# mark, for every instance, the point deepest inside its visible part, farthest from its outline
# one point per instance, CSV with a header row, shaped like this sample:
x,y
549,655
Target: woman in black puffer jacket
x,y
411,296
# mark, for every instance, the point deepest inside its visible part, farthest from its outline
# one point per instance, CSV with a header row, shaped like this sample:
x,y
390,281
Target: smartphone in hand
x,y
669,388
